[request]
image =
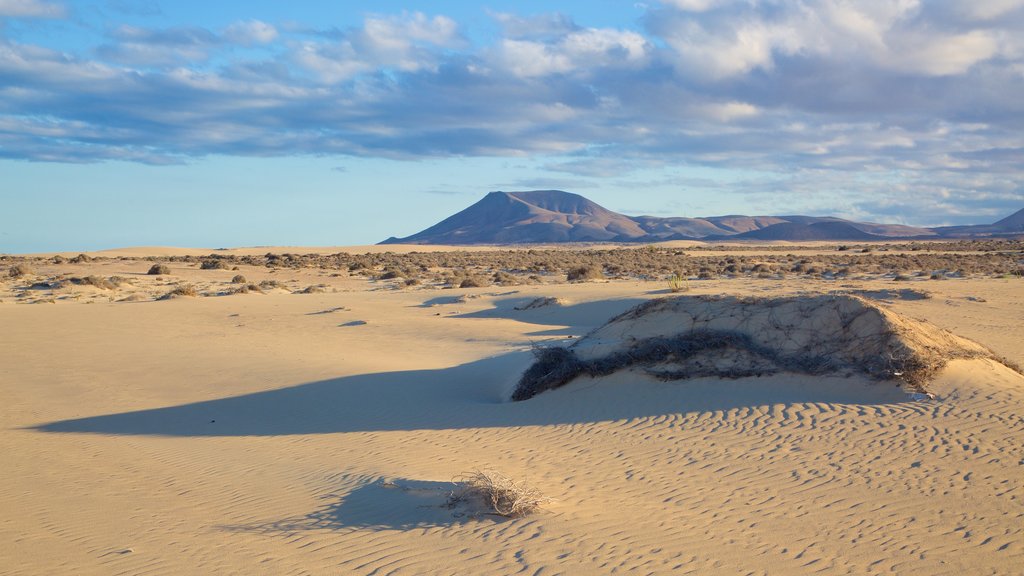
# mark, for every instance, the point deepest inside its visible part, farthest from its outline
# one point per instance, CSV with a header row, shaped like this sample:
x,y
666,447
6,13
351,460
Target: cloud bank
x,y
877,99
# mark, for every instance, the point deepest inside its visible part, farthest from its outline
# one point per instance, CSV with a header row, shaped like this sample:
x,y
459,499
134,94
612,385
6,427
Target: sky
x,y
302,123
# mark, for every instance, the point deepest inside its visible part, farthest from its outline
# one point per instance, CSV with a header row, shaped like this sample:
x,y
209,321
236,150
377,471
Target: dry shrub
x,y
96,281
214,264
158,270
505,279
181,290
19,270
247,288
80,259
678,283
582,273
238,279
314,289
499,493
473,282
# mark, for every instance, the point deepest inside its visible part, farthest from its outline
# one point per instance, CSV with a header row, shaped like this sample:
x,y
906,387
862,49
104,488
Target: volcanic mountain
x,y
552,216
539,216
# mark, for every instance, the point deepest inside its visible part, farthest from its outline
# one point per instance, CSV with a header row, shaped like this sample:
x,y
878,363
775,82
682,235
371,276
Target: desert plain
x,y
312,416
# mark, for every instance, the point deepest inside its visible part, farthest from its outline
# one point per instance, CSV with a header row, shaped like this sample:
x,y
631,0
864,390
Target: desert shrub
x,y
582,273
314,289
678,283
181,290
58,259
96,281
247,288
472,282
238,279
901,278
411,281
158,269
505,279
271,284
81,258
502,495
19,270
214,264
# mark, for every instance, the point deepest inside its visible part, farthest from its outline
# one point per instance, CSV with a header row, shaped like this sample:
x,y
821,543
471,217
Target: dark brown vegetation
x,y
158,269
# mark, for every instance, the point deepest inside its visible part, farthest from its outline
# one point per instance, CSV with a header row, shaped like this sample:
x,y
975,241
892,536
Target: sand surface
x,y
285,433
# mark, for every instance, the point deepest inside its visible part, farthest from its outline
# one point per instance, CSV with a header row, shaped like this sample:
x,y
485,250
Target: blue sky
x,y
145,122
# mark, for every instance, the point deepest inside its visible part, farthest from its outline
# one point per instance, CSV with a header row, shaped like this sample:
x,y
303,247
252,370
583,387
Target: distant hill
x,y
815,231
539,216
554,216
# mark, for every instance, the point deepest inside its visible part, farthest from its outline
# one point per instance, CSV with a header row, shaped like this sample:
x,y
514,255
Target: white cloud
x,y
728,111
695,5
31,9
889,35
938,55
585,51
837,92
250,33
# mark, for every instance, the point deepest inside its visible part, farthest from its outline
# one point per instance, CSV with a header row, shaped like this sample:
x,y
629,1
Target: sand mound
x,y
689,337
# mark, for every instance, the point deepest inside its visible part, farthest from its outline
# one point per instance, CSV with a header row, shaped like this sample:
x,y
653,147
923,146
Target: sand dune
x,y
267,433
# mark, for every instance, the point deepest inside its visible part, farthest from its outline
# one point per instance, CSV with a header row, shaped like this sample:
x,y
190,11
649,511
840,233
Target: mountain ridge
x,y
556,216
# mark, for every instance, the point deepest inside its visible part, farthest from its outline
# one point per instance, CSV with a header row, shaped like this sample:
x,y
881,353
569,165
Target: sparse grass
x,y
158,270
499,493
678,283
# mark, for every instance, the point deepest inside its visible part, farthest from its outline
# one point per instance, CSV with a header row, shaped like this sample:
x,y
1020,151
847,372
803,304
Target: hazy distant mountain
x,y
816,231
551,216
1012,224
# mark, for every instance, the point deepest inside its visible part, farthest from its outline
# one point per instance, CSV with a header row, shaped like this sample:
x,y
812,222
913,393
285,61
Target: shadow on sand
x,y
375,504
585,315
472,395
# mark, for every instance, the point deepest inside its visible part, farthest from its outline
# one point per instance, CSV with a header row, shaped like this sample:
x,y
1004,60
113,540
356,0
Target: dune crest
x,y
732,337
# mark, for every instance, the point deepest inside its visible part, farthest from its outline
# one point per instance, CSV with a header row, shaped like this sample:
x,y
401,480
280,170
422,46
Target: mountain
x,y
1012,223
815,231
540,216
553,216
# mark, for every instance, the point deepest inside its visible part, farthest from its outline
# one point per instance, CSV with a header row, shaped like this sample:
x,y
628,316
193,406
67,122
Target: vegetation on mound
x,y
158,270
810,335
